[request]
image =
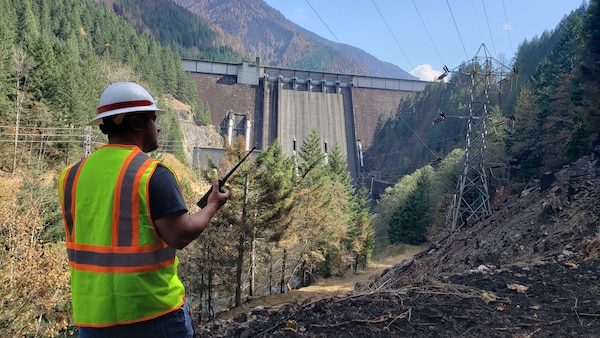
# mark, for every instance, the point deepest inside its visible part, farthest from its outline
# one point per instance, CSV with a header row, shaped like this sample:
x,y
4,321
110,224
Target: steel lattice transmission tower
x,y
472,200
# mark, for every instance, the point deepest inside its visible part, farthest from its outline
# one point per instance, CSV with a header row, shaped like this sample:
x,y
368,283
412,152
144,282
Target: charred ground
x,y
531,269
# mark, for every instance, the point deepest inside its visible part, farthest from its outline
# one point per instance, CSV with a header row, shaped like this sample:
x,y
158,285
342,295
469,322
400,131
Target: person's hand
x,y
219,194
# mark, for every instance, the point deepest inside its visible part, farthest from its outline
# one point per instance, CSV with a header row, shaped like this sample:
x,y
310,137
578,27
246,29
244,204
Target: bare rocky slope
x,y
531,269
194,135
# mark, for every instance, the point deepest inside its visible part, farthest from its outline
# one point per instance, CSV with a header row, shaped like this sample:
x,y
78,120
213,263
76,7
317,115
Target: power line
x,y
43,128
39,141
435,155
428,34
323,21
489,28
507,28
392,33
43,135
457,31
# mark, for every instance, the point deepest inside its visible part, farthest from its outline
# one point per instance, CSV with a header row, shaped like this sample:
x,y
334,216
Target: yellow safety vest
x,y
121,270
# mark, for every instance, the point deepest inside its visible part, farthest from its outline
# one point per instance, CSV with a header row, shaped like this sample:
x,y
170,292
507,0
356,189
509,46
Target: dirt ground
x,y
531,269
324,288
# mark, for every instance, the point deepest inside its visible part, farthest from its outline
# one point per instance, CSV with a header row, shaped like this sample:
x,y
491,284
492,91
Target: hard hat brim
x,y
98,119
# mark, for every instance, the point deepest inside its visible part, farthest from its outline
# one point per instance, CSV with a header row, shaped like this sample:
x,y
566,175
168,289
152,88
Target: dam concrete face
x,y
265,104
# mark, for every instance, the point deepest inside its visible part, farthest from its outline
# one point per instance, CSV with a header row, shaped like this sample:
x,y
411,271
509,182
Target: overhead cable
x,y
392,33
508,29
457,31
323,21
435,155
426,30
489,28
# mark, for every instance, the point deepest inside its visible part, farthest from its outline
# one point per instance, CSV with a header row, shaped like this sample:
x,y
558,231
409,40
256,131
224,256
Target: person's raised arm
x,y
179,229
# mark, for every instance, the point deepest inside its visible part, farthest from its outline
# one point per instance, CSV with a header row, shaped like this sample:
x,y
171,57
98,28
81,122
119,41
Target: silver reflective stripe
x,y
125,200
140,259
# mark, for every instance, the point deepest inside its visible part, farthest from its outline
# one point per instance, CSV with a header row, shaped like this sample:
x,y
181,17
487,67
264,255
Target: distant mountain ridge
x,y
264,32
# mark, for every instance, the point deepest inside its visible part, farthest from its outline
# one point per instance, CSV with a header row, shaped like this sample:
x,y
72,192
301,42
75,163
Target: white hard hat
x,y
124,97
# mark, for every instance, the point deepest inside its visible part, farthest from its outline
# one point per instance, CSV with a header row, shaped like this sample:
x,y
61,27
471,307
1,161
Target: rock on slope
x,y
194,135
531,269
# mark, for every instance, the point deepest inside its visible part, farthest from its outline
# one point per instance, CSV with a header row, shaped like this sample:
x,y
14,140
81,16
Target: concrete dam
x,y
265,104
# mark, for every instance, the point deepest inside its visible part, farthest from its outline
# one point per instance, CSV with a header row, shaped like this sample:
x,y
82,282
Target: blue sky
x,y
421,36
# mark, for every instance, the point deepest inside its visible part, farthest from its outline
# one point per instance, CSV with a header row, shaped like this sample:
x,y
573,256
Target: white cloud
x,y
425,73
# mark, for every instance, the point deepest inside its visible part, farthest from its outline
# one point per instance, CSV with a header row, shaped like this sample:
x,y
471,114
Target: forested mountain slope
x,y
551,102
235,30
266,33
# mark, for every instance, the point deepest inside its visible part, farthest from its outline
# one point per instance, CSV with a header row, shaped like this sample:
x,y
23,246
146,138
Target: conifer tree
x,y
411,220
360,236
272,216
316,211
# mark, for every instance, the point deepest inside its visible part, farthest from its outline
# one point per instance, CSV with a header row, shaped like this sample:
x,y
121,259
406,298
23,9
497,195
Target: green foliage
x,y
553,124
360,235
321,58
588,72
314,209
174,27
554,102
56,57
299,218
202,114
442,185
59,56
274,183
391,199
407,141
170,136
410,222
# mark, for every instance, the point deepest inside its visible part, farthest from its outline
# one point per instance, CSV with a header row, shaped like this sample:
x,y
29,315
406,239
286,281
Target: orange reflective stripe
x,y
120,269
67,206
116,215
125,322
69,203
127,198
115,249
135,200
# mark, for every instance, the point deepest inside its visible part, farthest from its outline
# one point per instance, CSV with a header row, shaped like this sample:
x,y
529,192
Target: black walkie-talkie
x,y
202,202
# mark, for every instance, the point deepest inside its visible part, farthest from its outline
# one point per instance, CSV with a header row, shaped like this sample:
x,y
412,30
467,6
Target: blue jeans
x,y
176,324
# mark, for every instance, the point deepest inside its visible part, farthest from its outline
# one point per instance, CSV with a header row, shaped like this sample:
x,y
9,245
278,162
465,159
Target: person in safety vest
x,y
124,217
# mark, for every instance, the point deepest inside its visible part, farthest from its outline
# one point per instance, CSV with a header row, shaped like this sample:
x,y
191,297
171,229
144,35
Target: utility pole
x,y
472,200
87,141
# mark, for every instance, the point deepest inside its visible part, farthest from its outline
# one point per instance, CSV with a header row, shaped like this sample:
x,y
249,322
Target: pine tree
x,y
273,205
360,236
589,71
411,220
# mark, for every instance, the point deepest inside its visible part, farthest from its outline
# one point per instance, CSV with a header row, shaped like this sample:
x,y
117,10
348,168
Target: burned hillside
x,y
531,269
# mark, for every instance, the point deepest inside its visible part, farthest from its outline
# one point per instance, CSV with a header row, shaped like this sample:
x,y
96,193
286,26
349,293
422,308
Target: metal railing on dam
x,y
250,73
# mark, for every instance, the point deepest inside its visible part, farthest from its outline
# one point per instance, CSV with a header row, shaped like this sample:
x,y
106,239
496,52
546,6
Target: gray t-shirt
x,y
165,194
